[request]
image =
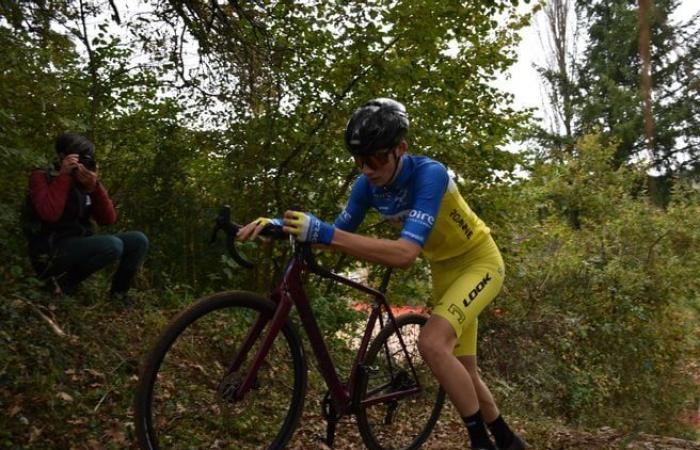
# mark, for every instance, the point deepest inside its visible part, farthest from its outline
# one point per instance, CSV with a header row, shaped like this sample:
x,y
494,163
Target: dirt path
x,y
450,435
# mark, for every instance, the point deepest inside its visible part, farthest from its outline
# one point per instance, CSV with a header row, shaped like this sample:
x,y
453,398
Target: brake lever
x,y
223,222
231,246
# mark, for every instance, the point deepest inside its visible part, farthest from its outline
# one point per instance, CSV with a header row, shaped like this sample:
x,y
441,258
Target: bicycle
x,y
230,370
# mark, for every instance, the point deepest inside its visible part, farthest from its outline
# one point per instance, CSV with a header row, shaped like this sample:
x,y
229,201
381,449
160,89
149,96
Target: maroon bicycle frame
x,y
290,293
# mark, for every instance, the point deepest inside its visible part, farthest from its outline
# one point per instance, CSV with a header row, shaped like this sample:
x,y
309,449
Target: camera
x,y
87,160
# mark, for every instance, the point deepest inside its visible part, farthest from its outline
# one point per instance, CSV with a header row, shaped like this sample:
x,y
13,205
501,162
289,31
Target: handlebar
x,y
223,222
230,229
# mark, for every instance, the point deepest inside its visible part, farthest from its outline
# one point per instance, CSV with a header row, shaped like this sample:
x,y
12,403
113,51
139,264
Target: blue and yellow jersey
x,y
426,200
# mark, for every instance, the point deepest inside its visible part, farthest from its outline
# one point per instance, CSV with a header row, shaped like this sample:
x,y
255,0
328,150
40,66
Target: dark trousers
x,y
75,259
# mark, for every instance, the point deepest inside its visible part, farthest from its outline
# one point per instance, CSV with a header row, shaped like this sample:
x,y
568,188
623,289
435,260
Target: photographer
x,y
65,201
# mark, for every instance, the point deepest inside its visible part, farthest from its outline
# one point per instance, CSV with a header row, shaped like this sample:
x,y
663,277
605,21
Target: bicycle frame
x,y
290,293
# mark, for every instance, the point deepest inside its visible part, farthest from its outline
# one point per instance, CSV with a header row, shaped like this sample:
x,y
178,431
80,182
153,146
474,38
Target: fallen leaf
x,y
94,444
95,373
64,396
14,410
116,435
34,433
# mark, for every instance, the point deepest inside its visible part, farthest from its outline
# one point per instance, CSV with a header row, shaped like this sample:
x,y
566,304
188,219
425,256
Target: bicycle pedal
x,y
370,369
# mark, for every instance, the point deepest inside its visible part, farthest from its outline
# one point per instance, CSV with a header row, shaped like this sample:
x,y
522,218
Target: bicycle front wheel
x,y
185,394
405,423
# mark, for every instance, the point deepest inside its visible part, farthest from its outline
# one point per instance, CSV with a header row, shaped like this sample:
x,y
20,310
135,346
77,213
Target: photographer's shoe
x,y
122,300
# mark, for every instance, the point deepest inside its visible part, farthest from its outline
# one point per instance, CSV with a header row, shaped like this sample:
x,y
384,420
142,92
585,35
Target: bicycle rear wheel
x,y
184,395
406,423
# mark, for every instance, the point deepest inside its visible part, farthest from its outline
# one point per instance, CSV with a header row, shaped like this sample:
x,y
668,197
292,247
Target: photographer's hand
x,y
68,164
87,178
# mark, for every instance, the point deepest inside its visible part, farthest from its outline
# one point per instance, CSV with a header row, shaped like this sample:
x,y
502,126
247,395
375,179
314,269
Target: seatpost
x,y
385,280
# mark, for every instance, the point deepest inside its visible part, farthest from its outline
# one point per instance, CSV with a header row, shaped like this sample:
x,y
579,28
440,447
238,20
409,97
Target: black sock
x,y
501,433
477,432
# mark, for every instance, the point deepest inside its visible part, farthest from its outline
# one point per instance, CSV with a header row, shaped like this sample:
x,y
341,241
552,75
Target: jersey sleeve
x,y
358,204
429,188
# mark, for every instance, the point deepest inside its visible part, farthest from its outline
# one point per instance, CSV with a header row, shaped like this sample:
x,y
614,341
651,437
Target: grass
x,y
68,369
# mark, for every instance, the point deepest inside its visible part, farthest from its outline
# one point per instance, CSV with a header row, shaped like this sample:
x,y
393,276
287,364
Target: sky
x,y
523,81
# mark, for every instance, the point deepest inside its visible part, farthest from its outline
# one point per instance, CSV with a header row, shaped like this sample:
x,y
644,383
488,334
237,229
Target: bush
x,y
600,310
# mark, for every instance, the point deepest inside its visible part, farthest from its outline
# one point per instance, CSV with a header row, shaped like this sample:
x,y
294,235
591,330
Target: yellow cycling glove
x,y
308,228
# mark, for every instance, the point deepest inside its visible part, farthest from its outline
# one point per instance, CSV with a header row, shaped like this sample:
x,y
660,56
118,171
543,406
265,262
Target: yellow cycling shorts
x,y
463,286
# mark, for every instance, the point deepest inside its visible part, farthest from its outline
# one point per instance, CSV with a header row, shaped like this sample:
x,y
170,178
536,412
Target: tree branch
x,y
282,173
115,12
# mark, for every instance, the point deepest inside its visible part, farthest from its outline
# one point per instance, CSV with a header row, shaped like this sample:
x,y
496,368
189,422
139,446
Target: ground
x,y
68,375
451,435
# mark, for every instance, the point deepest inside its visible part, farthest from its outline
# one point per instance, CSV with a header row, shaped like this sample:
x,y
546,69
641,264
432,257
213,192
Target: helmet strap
x,y
396,167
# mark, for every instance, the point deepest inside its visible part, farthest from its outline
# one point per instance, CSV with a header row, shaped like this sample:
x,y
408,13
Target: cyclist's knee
x,y
427,347
437,339
430,349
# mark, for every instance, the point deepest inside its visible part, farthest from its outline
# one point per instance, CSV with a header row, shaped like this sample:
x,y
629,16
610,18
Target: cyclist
x,y
466,265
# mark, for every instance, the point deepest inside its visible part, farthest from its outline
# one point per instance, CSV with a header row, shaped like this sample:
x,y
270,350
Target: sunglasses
x,y
375,161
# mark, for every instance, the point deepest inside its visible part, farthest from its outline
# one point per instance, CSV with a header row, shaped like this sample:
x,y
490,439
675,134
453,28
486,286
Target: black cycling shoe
x,y
517,444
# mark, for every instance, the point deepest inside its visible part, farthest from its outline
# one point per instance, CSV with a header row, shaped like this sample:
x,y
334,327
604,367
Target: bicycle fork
x,y
230,390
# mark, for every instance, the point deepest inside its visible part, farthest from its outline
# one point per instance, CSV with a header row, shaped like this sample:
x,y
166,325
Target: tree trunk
x,y
645,7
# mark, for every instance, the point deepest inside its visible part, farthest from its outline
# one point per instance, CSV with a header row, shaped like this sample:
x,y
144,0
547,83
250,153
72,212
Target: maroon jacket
x,y
64,209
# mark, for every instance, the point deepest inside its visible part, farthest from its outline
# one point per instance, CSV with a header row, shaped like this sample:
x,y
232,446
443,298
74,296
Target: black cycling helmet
x,y
379,124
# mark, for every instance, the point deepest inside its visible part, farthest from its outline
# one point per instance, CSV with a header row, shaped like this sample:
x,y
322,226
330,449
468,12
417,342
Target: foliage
x,y
600,318
601,301
305,67
599,90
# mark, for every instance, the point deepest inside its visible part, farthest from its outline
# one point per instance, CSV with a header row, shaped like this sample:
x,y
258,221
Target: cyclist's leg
x,y
487,404
466,353
459,307
505,437
436,342
472,283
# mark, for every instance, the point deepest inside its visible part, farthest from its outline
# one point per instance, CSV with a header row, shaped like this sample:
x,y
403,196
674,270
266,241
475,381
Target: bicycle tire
x,y
160,395
419,412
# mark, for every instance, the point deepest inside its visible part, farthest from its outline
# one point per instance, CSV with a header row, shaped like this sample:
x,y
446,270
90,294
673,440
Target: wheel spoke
x,y
187,408
398,423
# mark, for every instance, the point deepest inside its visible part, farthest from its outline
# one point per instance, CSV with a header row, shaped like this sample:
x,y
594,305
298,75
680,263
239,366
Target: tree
x,y
560,37
267,105
289,75
611,91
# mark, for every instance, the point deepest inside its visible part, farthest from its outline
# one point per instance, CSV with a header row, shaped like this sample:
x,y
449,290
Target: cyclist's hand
x,y
308,228
253,229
